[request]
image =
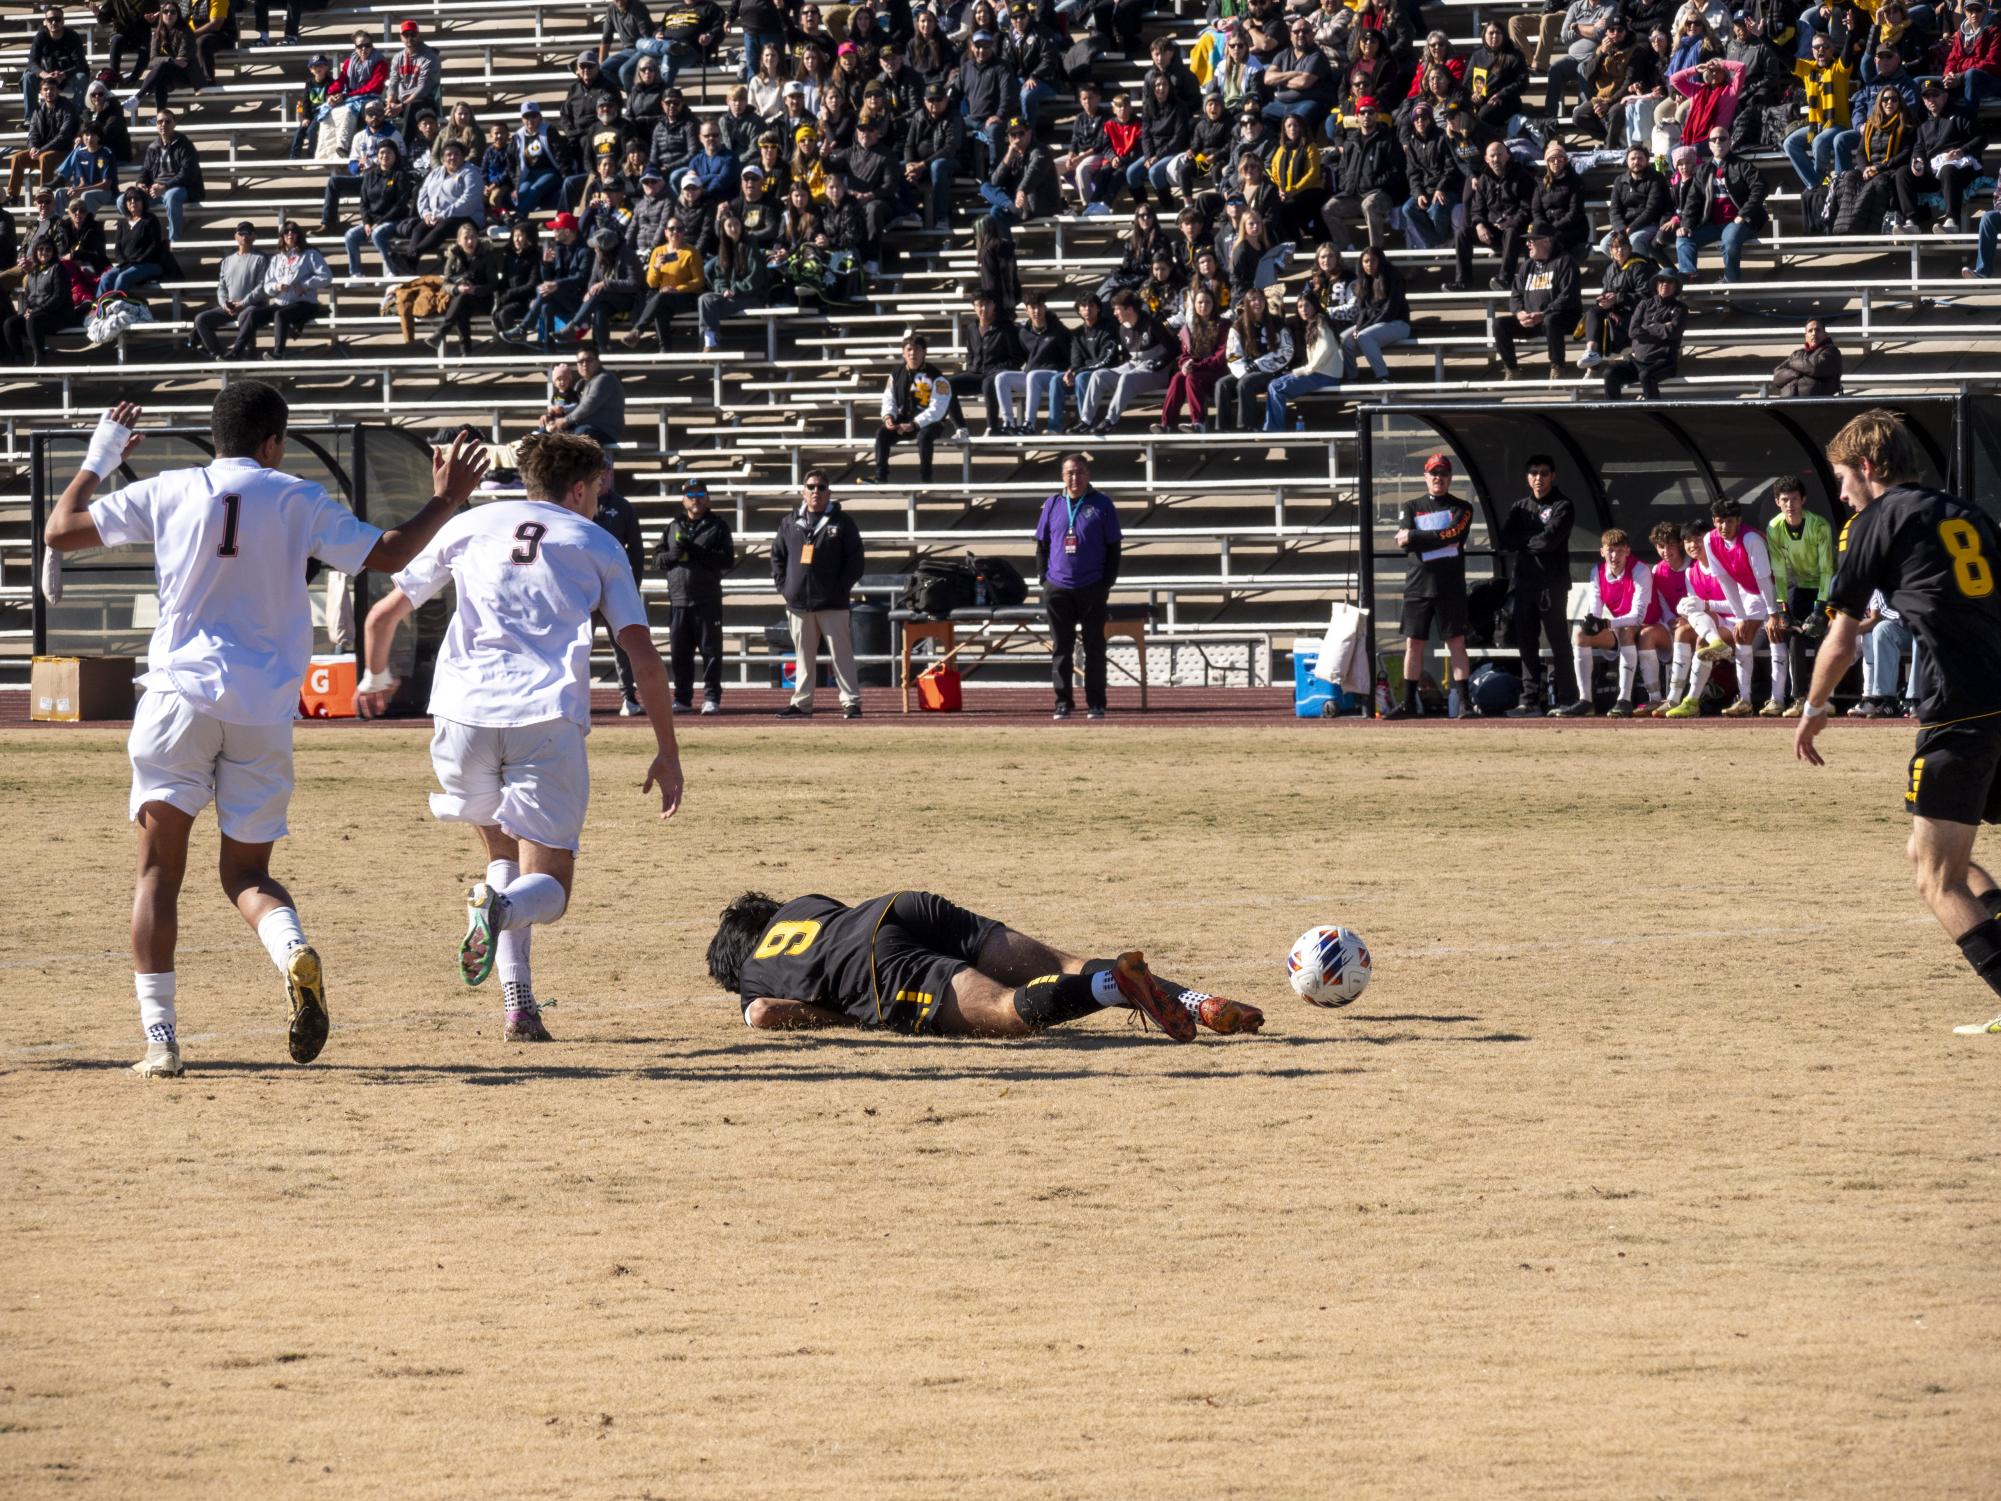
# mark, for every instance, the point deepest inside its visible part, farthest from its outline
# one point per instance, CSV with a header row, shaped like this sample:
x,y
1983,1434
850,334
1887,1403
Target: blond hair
x,y
553,464
1879,438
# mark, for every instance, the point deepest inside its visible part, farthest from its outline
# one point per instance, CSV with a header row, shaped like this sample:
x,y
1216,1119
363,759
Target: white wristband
x,y
375,682
1812,710
107,447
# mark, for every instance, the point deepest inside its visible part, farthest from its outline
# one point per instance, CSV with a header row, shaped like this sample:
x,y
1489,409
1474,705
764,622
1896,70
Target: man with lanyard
x,y
1536,534
816,561
1433,531
1802,550
1077,545
1934,556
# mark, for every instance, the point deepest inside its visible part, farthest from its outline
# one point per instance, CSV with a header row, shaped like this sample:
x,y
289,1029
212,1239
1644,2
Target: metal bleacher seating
x,y
1230,536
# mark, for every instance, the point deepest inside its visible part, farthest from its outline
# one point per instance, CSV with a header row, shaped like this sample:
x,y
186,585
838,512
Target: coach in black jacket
x,y
1535,538
615,515
816,561
695,552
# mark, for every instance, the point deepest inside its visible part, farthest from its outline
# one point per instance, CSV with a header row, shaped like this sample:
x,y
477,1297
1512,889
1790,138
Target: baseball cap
x,y
1668,273
846,49
245,227
1438,463
652,174
934,91
1934,86
1017,123
1540,230
588,55
795,87
983,36
317,60
753,170
407,26
530,107
694,487
564,220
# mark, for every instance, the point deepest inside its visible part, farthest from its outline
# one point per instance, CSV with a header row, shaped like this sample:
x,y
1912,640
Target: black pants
x,y
285,321
1554,331
657,313
1952,182
24,332
1538,614
460,310
425,238
1510,247
1240,401
1072,610
511,306
1799,605
690,626
140,43
926,439
166,76
209,324
208,48
1620,374
1565,72
626,685
342,184
262,10
1606,329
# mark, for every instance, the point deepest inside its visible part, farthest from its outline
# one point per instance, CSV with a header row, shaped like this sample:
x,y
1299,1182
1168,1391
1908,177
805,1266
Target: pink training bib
x,y
1733,558
1616,595
1704,585
1670,584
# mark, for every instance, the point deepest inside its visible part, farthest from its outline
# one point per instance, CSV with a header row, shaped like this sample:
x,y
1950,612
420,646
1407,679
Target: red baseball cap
x,y
1438,463
407,26
564,220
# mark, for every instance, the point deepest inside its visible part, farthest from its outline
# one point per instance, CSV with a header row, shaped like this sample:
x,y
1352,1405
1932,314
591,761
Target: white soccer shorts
x,y
1706,618
533,780
185,758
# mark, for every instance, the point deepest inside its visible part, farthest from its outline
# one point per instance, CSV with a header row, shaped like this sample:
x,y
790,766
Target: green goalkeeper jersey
x,y
1805,561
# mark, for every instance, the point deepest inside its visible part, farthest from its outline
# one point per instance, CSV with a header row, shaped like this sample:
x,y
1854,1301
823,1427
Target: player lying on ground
x,y
511,699
231,541
915,963
1934,557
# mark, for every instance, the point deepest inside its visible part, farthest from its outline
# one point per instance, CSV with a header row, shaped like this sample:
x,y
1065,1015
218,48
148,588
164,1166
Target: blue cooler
x,y
1309,693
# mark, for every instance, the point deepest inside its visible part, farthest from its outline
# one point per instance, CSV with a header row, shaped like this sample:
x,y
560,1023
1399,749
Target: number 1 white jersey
x,y
230,546
530,574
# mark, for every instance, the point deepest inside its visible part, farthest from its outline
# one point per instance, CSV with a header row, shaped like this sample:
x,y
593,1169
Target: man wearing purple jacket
x,y
1077,552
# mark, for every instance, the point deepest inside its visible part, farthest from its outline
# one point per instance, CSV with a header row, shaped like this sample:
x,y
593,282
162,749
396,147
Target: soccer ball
x,y
1328,966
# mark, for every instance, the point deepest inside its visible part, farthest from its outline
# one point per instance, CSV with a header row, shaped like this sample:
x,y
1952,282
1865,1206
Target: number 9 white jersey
x,y
230,547
530,574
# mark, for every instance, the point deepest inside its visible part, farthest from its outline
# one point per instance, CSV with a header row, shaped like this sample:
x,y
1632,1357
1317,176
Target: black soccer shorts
x,y
1955,773
922,942
1421,613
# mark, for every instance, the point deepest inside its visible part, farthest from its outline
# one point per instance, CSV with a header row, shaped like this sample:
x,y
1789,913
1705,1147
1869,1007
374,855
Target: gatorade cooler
x,y
938,691
328,692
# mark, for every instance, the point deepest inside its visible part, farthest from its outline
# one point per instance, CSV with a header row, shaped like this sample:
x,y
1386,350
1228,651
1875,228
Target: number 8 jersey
x,y
530,574
1934,557
230,547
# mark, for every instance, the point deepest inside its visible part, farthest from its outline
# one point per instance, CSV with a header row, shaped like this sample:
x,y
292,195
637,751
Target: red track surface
x,y
1201,708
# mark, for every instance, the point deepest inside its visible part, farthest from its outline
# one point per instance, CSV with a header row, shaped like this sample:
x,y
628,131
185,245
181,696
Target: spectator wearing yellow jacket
x,y
675,282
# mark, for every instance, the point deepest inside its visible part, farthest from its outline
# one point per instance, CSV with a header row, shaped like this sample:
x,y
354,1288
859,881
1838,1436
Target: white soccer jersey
x,y
230,546
529,576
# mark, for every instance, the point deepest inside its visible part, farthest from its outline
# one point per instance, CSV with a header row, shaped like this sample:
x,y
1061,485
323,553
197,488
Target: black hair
x,y
246,412
743,923
1725,506
1539,461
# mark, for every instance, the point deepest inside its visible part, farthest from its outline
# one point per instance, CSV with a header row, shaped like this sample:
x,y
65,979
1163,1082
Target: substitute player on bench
x,y
511,699
1934,557
230,543
915,963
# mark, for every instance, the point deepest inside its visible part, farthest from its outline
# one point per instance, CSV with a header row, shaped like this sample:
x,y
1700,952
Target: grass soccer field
x,y
1647,1166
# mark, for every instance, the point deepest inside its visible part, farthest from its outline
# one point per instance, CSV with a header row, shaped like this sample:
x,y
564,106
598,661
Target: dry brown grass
x,y
1580,1200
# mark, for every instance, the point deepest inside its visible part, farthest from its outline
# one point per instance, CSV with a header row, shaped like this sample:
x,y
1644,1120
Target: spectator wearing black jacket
x,y
46,306
1638,201
1368,183
1034,57
388,197
1145,353
1814,369
875,180
56,53
695,551
1094,348
52,131
916,400
1382,315
931,151
991,94
1629,277
1201,166
1018,394
1023,186
1431,172
1948,130
1496,74
1165,129
1624,65
1655,349
676,138
141,254
171,173
1535,539
1086,150
1497,211
80,238
1558,200
816,561
993,349
1544,300
1722,201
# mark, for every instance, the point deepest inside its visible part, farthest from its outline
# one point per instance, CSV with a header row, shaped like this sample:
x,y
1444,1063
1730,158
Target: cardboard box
x,y
328,691
72,689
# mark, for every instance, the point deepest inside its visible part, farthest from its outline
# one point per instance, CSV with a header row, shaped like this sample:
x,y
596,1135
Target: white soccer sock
x,y
1747,663
1684,653
1581,656
1105,990
500,874
156,1005
280,933
1782,673
511,955
1650,673
534,898
1629,663
1699,679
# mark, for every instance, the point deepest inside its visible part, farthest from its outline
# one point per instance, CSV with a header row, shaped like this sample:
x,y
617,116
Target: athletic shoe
x,y
1971,1029
1738,708
793,711
486,915
1227,1017
630,709
162,1061
710,706
1773,710
1137,985
1688,708
1094,713
851,711
1794,709
1399,711
1715,649
1581,709
526,1026
1621,709
305,983
1061,711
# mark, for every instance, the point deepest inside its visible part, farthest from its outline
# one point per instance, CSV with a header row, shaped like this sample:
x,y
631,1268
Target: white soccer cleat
x,y
162,1061
1980,1029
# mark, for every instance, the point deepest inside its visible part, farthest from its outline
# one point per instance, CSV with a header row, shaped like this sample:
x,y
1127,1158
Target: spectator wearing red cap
x,y
559,291
416,79
1433,531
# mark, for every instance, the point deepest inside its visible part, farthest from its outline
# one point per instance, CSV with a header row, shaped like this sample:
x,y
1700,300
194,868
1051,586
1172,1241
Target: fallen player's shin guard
x,y
1982,947
1054,999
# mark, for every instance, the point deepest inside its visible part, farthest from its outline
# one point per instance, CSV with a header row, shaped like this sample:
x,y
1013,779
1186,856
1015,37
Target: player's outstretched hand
x,y
665,773
457,471
113,439
1803,746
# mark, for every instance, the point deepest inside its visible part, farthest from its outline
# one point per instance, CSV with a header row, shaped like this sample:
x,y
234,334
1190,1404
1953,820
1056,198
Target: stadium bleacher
x,y
1234,534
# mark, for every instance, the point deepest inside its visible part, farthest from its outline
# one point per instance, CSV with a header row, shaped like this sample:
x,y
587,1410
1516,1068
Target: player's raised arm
x,y
69,527
455,474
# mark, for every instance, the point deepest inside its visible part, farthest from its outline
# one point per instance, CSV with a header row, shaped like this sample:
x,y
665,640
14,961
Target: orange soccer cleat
x,y
1226,1017
1137,985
